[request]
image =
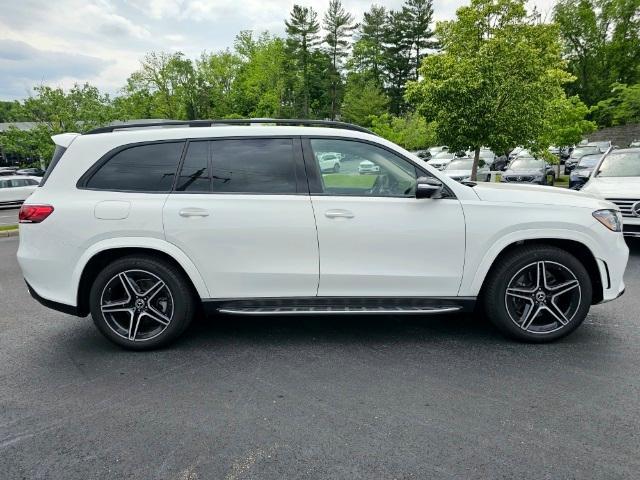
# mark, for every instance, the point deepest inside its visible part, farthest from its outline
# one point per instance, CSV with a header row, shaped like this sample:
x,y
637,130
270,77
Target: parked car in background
x,y
529,170
617,178
514,153
367,166
433,151
581,173
329,162
16,189
5,171
579,152
441,160
635,143
423,154
30,172
459,169
487,156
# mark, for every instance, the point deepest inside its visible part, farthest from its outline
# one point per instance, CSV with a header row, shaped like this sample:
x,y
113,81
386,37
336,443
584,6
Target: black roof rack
x,y
232,121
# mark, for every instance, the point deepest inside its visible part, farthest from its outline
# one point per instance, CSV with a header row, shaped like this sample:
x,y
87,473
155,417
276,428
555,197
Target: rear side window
x,y
253,165
142,168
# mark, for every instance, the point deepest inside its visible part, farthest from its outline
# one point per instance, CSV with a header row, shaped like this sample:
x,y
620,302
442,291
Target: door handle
x,y
338,214
193,212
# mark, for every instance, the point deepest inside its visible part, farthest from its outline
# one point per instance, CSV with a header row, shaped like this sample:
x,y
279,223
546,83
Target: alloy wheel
x,y
543,297
137,305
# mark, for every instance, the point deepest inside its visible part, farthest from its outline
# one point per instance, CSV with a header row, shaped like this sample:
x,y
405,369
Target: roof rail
x,y
232,121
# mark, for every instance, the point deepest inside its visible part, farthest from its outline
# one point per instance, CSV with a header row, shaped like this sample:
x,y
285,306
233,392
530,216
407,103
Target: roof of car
x,y
16,177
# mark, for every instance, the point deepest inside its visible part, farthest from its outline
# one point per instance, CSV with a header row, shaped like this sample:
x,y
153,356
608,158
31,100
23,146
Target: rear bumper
x,y
59,307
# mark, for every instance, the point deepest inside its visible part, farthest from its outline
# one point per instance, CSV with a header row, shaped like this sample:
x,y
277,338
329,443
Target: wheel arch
x,y
576,248
98,257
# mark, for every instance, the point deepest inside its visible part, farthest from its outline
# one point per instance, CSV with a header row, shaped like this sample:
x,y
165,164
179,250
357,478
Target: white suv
x,y
142,227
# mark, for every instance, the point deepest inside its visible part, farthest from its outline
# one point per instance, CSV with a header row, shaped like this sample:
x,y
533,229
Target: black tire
x,y
180,298
501,306
336,167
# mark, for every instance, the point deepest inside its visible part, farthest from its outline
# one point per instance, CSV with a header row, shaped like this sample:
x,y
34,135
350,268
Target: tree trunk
x,y
474,169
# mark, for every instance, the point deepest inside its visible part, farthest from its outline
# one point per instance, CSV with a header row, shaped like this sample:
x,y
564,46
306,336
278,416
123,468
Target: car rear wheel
x,y
141,302
336,168
538,293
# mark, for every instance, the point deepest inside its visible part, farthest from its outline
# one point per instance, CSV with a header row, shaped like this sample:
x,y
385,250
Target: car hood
x,y
613,187
535,194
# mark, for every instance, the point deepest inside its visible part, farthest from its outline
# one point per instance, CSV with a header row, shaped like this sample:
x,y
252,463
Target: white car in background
x,y
441,160
460,170
367,166
617,179
15,189
330,162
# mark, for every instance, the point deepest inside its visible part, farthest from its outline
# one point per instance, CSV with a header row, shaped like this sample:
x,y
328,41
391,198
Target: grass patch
x,y
343,180
7,227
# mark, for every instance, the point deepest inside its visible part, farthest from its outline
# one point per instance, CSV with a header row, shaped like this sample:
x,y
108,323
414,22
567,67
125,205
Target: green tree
x,y
9,111
79,109
369,48
496,81
363,100
339,26
265,80
601,42
302,38
169,81
418,16
621,108
410,131
397,59
566,123
216,75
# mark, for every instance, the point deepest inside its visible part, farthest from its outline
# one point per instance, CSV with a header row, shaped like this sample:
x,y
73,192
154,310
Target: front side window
x,y
253,165
141,168
362,169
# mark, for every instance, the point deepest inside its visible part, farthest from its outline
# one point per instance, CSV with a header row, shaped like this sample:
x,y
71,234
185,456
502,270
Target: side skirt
x,y
339,305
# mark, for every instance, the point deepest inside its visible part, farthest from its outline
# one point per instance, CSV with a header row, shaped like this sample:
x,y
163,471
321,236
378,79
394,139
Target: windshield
x,y
589,161
526,163
582,151
620,164
461,164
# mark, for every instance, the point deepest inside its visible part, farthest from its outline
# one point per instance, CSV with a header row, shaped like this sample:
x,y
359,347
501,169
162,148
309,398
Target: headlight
x,y
612,219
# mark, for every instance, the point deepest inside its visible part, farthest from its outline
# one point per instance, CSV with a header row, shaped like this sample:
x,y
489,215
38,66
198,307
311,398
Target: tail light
x,y
34,213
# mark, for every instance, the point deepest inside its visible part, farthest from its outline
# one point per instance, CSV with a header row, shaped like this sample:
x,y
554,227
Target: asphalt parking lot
x,y
324,397
9,216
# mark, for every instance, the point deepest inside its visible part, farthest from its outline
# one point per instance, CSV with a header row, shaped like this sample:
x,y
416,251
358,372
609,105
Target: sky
x,y
62,42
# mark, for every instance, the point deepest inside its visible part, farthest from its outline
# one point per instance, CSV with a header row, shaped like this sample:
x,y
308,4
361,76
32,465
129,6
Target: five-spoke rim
x,y
137,305
543,297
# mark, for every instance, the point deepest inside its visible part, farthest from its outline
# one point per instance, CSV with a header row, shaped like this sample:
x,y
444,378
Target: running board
x,y
321,310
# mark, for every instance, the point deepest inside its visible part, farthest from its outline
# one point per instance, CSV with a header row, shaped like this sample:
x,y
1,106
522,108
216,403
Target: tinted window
x,y
362,169
145,168
253,165
194,175
4,184
57,155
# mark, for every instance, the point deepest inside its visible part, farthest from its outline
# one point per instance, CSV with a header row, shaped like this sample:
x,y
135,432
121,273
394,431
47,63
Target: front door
x,y
376,239
242,212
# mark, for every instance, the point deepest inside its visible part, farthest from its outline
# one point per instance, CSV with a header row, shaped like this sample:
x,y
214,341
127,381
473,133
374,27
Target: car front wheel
x,y
537,293
141,302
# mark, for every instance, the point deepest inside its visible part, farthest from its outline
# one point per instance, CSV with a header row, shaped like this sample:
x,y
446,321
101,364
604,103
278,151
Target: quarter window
x,y
357,168
142,168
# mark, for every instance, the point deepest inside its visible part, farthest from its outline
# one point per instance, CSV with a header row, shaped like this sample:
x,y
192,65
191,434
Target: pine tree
x,y
418,15
302,37
339,26
368,51
397,59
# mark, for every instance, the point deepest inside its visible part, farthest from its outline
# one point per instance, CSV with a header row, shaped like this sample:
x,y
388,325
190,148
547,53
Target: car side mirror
x,y
427,187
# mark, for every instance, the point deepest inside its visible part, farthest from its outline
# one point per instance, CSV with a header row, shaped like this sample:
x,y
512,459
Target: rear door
x,y
241,210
